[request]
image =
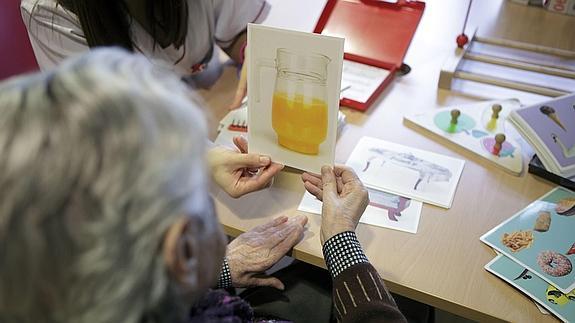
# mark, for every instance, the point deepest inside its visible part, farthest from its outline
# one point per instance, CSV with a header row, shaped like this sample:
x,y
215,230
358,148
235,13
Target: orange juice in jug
x,y
300,122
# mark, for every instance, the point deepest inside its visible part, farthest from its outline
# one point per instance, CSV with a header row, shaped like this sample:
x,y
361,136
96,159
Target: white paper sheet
x,y
359,81
406,171
408,221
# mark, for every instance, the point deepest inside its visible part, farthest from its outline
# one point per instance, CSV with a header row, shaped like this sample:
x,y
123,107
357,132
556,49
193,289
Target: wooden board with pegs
x,y
479,128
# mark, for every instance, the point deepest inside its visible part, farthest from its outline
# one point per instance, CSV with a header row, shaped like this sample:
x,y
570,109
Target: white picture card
x,y
384,210
414,173
294,81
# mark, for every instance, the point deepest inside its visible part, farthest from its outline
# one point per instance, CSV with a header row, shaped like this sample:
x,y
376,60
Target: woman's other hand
x,y
238,172
254,252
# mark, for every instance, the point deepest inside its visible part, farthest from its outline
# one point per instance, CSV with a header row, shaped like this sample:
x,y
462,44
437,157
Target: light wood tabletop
x,y
441,265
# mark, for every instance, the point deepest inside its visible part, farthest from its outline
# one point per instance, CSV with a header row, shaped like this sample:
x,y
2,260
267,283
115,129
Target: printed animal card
x,y
294,81
384,210
541,238
560,304
406,171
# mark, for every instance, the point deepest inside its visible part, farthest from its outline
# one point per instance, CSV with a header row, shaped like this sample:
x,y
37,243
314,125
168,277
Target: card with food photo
x,y
541,238
559,304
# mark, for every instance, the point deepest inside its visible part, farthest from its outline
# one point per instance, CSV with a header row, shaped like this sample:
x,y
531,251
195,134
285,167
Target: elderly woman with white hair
x,y
105,214
104,211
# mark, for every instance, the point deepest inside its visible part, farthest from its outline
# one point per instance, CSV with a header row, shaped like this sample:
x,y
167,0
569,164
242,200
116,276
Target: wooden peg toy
x,y
496,108
499,140
492,124
470,132
454,116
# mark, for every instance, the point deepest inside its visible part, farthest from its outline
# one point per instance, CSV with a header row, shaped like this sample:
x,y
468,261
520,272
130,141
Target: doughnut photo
x,y
554,264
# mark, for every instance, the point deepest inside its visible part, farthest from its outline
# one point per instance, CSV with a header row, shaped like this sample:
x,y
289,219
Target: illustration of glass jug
x,y
299,103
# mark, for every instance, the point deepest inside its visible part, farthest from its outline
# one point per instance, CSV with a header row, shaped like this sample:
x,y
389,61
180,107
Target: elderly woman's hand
x,y
238,172
254,252
344,199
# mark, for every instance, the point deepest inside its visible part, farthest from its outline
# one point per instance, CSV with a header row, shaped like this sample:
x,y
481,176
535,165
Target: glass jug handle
x,y
262,62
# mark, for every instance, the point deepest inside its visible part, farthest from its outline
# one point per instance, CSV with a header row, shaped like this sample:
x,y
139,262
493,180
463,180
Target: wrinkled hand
x,y
344,199
242,88
238,172
254,252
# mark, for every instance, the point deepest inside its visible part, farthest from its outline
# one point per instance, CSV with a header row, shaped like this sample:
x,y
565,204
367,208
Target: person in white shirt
x,y
177,34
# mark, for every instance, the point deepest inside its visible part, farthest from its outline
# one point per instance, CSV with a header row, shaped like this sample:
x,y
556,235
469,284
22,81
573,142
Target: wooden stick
x,y
508,84
519,65
525,46
533,62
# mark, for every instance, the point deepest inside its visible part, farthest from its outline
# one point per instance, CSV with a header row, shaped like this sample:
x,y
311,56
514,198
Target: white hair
x,y
97,159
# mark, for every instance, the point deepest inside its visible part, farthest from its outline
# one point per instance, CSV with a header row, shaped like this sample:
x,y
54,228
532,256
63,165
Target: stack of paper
x,y
399,179
418,174
537,247
384,210
549,128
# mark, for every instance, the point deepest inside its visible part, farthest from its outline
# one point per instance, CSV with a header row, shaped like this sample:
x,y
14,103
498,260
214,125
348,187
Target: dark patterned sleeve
x,y
359,294
225,280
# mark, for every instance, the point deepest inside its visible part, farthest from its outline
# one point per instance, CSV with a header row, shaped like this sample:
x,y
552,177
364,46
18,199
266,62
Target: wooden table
x,y
441,265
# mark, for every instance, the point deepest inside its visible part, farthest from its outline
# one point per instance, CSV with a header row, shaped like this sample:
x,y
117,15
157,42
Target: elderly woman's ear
x,y
191,264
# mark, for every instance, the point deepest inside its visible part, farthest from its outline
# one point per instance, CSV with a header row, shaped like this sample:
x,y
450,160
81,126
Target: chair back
x,y
16,54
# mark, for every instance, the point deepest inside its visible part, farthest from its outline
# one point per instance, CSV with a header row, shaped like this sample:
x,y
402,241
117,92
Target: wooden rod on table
x,y
519,65
544,64
508,84
525,46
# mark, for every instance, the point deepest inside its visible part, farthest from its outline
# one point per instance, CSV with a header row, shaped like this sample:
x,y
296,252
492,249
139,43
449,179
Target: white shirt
x,y
56,33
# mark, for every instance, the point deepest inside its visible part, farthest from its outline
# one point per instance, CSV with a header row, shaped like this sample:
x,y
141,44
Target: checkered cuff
x,y
342,251
225,280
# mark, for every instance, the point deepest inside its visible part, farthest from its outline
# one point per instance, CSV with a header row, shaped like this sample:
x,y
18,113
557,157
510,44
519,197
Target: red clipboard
x,y
376,33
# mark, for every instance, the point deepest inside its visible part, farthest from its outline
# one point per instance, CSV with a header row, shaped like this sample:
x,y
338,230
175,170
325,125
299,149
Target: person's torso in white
x,y
56,33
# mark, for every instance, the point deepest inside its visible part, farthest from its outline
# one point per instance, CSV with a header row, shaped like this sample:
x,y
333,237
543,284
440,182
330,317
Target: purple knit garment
x,y
219,306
